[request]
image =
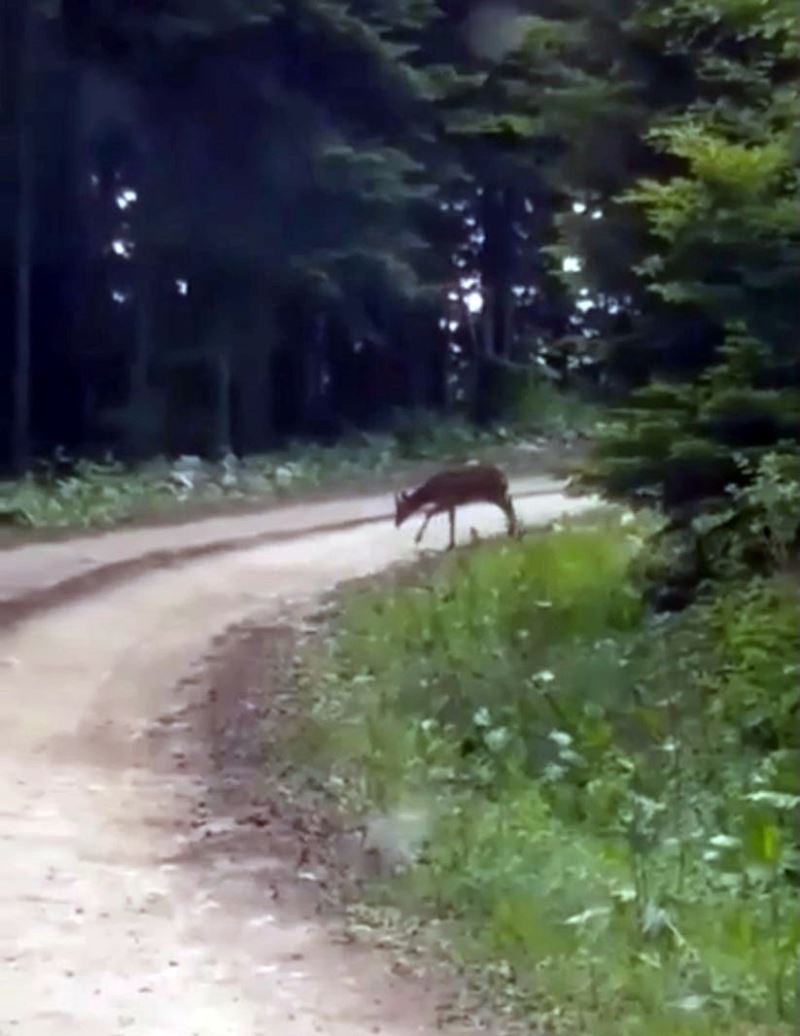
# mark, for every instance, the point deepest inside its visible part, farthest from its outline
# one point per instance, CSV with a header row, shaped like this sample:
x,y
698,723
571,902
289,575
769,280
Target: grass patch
x,y
611,800
92,494
86,494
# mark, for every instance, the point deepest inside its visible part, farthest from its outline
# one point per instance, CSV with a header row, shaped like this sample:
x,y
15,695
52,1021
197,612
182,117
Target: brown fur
x,y
444,492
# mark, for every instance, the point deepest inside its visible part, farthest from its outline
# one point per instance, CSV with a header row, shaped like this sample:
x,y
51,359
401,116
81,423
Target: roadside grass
x,y
107,493
64,495
606,803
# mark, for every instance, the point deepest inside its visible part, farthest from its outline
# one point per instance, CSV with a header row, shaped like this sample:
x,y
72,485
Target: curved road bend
x,y
101,932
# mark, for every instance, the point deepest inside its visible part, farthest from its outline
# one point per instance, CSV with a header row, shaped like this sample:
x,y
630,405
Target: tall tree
x,y
721,261
19,41
516,91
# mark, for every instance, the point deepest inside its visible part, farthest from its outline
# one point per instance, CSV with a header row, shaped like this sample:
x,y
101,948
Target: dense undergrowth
x,y
610,799
65,493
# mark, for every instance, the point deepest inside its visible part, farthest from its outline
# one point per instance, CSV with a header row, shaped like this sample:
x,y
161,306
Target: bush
x,y
536,407
675,443
612,795
67,493
90,494
423,434
98,494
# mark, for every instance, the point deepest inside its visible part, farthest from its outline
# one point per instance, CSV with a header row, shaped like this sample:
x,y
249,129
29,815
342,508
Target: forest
x,y
230,223
231,228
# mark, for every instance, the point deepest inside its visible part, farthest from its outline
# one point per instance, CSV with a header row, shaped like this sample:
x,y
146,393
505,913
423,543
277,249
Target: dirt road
x,y
111,923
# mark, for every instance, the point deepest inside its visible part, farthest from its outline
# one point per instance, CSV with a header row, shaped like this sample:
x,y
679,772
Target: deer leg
x,y
428,515
451,512
507,508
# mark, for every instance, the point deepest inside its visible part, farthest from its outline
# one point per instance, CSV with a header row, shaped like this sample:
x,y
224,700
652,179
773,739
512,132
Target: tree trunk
x,y
413,349
253,395
416,378
21,404
142,420
314,372
346,391
499,266
498,262
222,417
440,368
140,417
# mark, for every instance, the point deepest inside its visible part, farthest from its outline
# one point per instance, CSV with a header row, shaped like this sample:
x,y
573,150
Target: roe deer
x,y
450,489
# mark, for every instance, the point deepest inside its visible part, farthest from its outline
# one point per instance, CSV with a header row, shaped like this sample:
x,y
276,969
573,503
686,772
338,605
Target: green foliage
x,y
771,500
100,494
719,263
530,404
676,443
422,435
736,213
407,152
95,494
104,494
614,795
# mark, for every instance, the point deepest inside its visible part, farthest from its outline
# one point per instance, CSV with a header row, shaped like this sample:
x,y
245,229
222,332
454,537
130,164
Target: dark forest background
x,y
229,223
